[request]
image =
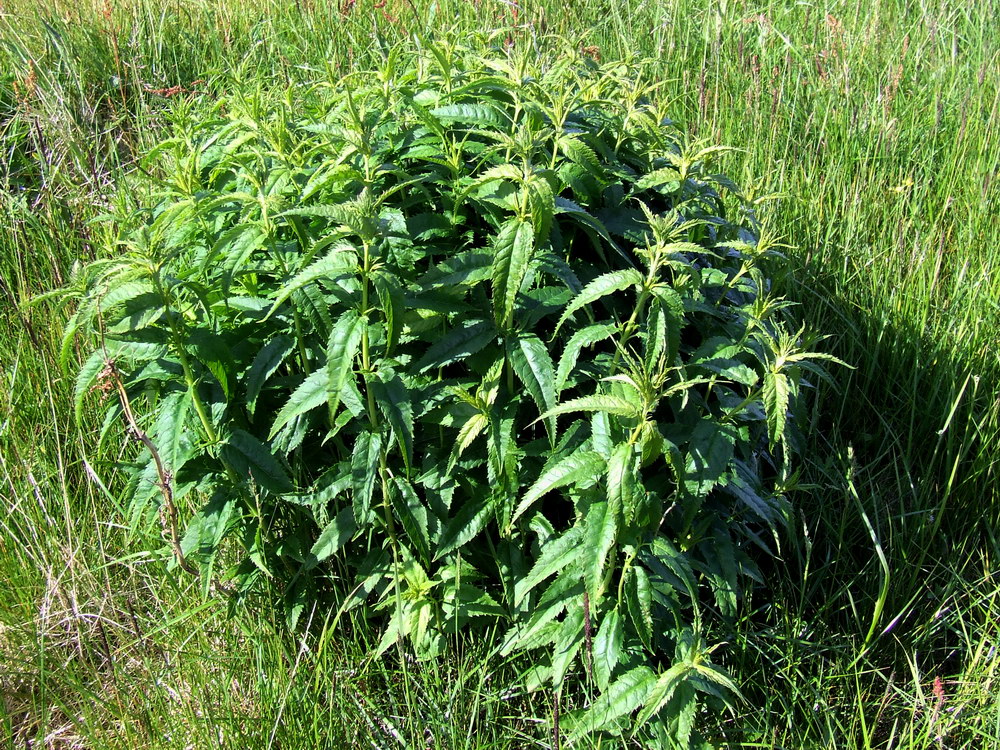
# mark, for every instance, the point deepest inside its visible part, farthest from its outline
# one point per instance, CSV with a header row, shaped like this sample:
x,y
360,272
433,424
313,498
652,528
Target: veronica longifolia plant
x,y
482,341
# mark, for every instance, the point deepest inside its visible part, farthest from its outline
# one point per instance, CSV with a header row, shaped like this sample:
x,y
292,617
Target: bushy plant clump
x,y
469,341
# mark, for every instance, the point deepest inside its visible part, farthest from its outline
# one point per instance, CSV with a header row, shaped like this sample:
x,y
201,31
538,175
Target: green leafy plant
x,y
467,340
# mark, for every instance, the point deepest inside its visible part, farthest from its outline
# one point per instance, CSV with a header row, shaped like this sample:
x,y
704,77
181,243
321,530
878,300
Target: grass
x,y
880,624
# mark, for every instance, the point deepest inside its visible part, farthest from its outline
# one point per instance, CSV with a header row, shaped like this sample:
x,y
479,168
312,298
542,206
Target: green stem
x,y
624,575
629,328
373,417
365,345
192,385
300,341
296,317
383,464
189,378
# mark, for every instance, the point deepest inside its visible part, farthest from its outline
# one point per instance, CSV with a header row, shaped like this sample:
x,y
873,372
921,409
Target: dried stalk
x,y
169,515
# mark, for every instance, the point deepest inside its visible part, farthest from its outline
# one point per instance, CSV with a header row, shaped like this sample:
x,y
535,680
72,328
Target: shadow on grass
x,y
879,607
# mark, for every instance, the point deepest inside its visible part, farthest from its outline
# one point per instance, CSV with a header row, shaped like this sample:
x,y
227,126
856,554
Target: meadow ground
x,y
876,122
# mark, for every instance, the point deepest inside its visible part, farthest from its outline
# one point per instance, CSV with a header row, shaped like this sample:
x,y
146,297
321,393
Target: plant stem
x,y
178,340
629,328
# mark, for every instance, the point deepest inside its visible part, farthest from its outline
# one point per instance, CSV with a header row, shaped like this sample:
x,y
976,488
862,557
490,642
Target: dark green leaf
x,y
476,114
364,471
471,519
414,517
639,599
172,440
341,260
211,350
602,286
623,487
341,348
390,294
336,534
568,641
580,468
310,394
585,337
775,393
623,697
250,457
599,402
268,359
533,366
459,343
600,530
512,252
607,648
710,451
557,555
393,400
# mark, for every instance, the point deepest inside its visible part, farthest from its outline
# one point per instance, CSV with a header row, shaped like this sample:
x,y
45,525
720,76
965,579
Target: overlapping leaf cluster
x,y
472,341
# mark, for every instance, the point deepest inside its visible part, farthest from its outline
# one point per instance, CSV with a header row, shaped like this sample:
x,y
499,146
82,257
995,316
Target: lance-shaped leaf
x,y
469,268
136,313
470,431
466,525
582,467
723,570
511,260
364,470
600,530
345,339
533,366
211,350
673,307
237,245
541,203
350,215
775,393
393,400
600,402
565,591
172,440
499,172
568,641
556,555
336,534
667,177
248,456
487,117
662,691
340,260
607,647
602,286
459,343
390,295
207,527
621,698
268,360
310,394
413,515
623,489
639,600
86,376
580,153
590,223
711,449
585,337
